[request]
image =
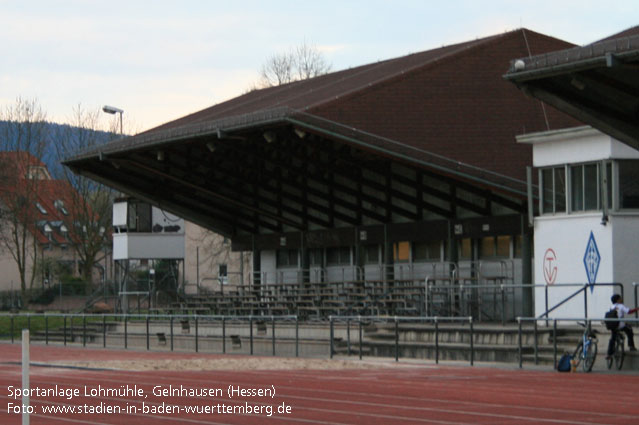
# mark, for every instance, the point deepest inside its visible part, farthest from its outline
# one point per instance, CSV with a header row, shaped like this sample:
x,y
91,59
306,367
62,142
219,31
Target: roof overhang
x,y
598,84
284,170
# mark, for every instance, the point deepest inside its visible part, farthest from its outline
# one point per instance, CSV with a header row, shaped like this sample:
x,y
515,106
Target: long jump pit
x,y
73,385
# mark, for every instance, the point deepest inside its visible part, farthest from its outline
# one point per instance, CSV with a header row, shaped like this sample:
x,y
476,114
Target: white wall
x,y
148,245
626,252
567,236
575,145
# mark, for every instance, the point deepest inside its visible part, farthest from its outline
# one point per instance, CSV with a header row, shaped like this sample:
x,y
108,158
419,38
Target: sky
x,y
160,60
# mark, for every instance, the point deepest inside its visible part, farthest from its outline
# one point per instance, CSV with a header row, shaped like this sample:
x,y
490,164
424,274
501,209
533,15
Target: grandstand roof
x,y
597,84
445,110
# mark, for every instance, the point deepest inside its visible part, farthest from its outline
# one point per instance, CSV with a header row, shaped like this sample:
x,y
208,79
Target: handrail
x,y
587,321
584,288
563,302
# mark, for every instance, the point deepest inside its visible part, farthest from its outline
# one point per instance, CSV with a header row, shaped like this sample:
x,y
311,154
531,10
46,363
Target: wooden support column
x,y
359,260
452,246
305,263
257,272
389,259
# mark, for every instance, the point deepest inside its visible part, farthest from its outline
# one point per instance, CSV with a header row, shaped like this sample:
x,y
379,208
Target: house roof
x,y
49,206
445,110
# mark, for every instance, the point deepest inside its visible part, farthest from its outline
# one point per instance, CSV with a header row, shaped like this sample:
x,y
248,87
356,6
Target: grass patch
x,y
38,323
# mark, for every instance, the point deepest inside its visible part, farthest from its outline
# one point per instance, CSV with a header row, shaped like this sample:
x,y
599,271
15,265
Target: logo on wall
x,y
550,269
591,261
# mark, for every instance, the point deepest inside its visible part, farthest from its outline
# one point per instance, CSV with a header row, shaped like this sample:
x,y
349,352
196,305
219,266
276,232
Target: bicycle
x,y
586,350
618,353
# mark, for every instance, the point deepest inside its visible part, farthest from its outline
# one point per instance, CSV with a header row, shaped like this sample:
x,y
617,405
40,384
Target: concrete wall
x,y
205,251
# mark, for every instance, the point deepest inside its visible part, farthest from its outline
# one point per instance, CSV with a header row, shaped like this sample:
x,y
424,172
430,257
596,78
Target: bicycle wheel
x,y
619,353
576,356
590,355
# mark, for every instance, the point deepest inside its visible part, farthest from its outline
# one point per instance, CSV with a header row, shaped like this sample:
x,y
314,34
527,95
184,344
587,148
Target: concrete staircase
x,y
490,343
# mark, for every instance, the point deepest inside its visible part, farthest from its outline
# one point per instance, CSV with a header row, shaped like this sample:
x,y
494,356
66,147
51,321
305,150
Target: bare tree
x,y
22,142
277,70
302,62
90,203
310,62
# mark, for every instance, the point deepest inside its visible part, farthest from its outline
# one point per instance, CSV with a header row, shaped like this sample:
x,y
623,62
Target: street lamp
x,y
113,110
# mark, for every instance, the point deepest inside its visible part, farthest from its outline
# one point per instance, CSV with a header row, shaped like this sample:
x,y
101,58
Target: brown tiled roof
x,y
451,102
306,94
48,193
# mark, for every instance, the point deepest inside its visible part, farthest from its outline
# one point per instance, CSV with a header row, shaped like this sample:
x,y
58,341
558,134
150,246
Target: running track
x,y
426,394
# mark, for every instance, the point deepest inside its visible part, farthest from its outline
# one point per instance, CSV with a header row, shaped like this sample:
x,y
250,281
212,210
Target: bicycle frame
x,y
587,348
585,340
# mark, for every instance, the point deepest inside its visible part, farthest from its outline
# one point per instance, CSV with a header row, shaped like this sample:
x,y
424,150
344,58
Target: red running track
x,y
425,394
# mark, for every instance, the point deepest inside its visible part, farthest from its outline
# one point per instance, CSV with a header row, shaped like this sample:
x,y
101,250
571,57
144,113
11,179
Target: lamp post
x,y
45,272
113,110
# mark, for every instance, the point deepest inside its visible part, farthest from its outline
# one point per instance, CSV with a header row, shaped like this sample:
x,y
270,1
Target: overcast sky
x,y
159,60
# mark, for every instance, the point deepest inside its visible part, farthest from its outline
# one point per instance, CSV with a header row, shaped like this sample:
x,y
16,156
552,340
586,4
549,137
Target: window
x,y
591,187
40,208
315,257
139,219
371,254
554,190
518,243
502,247
287,258
465,249
222,274
628,184
401,252
487,247
336,256
585,187
494,247
427,251
585,182
36,172
60,206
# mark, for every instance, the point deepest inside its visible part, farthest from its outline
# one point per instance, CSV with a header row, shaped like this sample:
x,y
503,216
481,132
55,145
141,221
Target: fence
x,y
361,321
170,332
584,321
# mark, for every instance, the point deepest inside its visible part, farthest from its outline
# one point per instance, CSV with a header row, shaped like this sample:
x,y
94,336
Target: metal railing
x,y
582,288
362,321
93,330
475,270
68,328
584,321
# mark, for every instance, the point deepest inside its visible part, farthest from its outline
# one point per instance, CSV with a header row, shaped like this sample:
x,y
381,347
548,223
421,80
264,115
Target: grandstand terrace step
x,y
458,333
445,351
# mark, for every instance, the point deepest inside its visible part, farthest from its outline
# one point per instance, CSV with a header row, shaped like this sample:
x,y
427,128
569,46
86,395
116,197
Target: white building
x,y
587,231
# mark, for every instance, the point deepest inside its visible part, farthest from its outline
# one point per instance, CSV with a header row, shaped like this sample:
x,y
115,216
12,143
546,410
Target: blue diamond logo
x,y
592,260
